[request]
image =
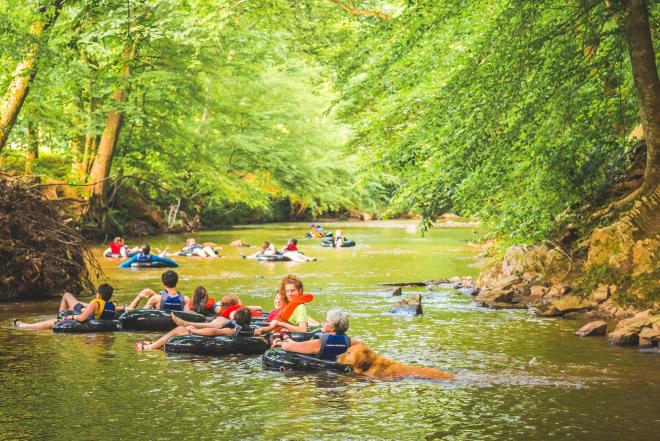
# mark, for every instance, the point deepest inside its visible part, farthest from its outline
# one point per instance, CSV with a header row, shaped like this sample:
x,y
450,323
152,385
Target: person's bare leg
x,y
208,251
206,331
179,330
39,326
69,301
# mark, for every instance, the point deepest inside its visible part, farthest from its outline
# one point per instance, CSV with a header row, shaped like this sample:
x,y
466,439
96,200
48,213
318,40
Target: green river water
x,y
519,377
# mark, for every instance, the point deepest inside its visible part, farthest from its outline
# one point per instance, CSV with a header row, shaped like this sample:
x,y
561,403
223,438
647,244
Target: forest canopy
x,y
509,110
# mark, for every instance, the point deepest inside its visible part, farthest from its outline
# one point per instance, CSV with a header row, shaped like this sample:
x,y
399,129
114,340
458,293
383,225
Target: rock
x,y
611,246
557,265
537,291
507,282
600,294
599,327
472,291
571,316
239,243
650,336
397,291
627,331
488,297
563,305
645,256
519,260
410,305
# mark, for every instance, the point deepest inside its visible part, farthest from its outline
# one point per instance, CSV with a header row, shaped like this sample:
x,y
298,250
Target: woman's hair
x,y
199,300
229,300
265,245
117,239
243,316
294,241
288,280
190,241
145,249
338,320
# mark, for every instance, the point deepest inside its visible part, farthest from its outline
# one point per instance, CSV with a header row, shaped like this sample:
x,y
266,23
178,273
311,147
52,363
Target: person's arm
x,y
186,304
301,327
144,294
88,312
153,301
107,252
129,262
309,347
123,251
255,308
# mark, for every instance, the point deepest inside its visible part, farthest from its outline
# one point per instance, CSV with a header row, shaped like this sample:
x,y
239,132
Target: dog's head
x,y
358,357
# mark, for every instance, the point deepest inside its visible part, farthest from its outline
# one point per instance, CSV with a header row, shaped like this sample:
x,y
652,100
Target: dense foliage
x,y
511,110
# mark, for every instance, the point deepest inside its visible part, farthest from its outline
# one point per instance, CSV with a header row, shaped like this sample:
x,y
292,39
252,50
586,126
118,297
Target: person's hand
x,y
257,308
146,293
274,323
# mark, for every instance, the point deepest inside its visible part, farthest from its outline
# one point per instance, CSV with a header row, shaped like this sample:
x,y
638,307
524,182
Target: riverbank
x,y
554,285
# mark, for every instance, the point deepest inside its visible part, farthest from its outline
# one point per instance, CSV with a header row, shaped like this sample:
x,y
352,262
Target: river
x,y
519,377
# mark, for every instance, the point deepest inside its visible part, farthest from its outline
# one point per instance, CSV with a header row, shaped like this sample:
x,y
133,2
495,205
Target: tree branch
x,y
377,14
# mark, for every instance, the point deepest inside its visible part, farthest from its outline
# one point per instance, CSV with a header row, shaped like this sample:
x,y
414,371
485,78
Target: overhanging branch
x,y
370,13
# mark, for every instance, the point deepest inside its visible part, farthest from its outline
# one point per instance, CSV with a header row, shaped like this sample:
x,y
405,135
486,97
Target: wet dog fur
x,y
366,362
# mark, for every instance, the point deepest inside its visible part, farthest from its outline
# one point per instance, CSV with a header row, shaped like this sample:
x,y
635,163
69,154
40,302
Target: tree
x,y
26,70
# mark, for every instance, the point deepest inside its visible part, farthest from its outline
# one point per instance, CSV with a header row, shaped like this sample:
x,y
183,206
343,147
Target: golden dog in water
x,y
365,361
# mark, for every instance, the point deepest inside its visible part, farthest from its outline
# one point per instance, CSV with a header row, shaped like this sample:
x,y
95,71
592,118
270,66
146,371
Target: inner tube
x,y
155,319
91,325
304,336
330,243
281,360
272,258
191,254
217,345
154,264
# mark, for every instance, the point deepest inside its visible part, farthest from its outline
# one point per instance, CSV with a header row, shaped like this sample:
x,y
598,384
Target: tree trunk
x,y
106,149
33,148
25,72
647,85
76,164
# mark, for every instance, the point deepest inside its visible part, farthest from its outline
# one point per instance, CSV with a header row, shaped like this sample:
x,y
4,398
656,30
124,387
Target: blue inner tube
x,y
330,243
282,360
91,325
169,263
273,258
217,345
155,319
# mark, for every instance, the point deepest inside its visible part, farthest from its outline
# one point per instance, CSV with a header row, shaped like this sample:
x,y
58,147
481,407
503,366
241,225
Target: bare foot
x,y
178,321
143,346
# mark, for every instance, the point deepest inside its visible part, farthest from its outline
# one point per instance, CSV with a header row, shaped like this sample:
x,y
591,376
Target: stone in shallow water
x,y
598,327
627,331
410,305
470,291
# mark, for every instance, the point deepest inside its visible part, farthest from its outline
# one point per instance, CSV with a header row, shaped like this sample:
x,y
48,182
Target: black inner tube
x,y
281,360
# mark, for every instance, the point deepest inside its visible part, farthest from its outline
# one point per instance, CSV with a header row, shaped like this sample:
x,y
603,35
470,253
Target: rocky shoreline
x,y
543,280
